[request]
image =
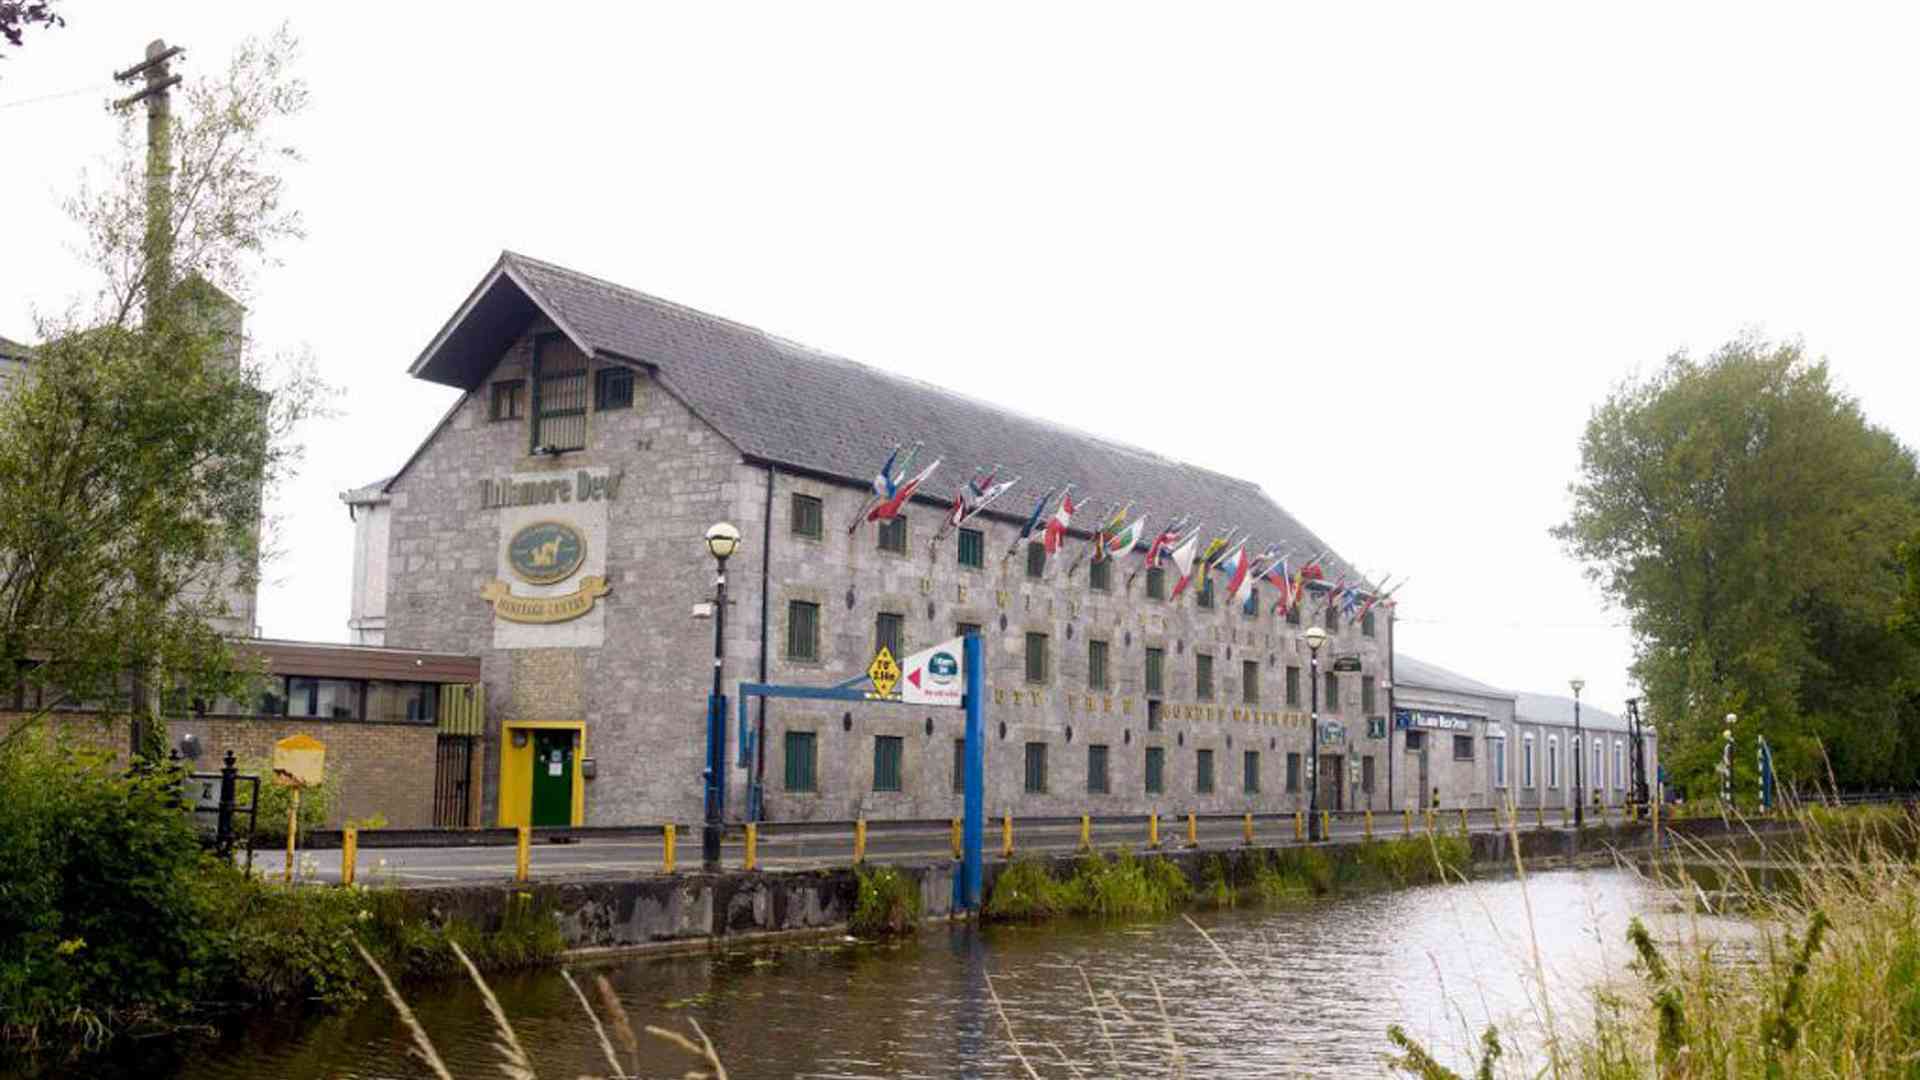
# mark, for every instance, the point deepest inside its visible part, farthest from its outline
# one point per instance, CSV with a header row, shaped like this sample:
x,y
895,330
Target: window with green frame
x,y
1156,770
1250,682
973,548
1366,624
1203,772
1293,685
1036,773
887,752
1096,664
1098,781
892,535
1156,583
807,516
613,388
1036,657
1366,695
890,633
1036,559
803,630
1250,772
1156,670
559,395
1204,597
1203,676
1333,691
801,761
1100,576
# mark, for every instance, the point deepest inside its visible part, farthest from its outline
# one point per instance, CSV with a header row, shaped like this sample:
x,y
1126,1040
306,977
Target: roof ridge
x,y
823,354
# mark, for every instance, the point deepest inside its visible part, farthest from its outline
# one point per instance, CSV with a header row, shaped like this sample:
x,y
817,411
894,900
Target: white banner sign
x,y
934,676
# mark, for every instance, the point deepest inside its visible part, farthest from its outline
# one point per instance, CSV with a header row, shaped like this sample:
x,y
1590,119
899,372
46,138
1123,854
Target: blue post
x,y
973,828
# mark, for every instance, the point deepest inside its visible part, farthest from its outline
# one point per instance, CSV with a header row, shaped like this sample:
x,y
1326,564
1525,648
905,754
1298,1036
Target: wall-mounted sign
x,y
546,551
1331,732
582,486
544,609
1346,663
1416,719
933,676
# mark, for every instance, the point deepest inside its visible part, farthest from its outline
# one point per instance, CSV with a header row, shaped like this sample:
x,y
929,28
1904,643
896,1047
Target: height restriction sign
x,y
884,672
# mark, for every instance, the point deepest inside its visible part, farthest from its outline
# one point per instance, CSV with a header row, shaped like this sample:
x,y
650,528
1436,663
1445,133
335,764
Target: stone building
x,y
551,524
1474,745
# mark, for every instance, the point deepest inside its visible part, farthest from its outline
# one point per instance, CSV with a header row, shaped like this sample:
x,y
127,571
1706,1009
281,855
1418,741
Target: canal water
x,y
1304,990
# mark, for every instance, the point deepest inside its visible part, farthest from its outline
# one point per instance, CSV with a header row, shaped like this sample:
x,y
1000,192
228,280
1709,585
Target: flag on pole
x,y
1280,576
1124,541
1235,566
1056,531
1182,558
1033,520
1105,533
974,496
890,507
885,483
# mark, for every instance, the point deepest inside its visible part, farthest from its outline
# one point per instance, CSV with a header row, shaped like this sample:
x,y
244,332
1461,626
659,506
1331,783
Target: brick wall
x,y
383,768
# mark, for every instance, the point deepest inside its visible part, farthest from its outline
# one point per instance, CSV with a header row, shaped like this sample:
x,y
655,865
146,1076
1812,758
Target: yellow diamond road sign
x,y
884,672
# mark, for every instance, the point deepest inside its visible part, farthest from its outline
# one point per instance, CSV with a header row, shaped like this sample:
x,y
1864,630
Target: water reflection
x,y
1317,986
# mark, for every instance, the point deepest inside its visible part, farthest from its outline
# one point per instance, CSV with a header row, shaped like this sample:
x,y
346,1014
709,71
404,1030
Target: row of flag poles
x,y
1121,533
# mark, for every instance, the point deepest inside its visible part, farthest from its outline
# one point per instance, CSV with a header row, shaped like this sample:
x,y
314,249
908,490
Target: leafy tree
x,y
1745,515
139,447
17,15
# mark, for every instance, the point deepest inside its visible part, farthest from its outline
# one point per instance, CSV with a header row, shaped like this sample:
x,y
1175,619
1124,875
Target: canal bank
x,y
695,910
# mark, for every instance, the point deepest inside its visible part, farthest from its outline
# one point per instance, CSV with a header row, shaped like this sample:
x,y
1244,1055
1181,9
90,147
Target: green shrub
x,y
101,918
888,903
1216,883
1026,890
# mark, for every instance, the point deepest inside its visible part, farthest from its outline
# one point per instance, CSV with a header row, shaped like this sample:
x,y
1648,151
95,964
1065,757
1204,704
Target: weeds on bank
x,y
1119,887
887,904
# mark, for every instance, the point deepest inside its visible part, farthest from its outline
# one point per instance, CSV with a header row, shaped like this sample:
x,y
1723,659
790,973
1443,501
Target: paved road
x,y
589,858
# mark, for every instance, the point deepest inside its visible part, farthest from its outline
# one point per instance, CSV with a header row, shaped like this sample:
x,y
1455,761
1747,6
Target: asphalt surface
x,y
590,858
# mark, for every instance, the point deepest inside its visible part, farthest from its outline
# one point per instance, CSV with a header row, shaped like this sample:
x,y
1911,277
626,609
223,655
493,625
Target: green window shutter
x,y
1203,772
887,750
1096,665
892,534
1250,682
1293,685
803,630
800,761
1156,583
807,516
1156,770
1202,676
1036,658
1036,768
1097,781
890,633
1156,671
1036,560
1250,772
973,548
1100,576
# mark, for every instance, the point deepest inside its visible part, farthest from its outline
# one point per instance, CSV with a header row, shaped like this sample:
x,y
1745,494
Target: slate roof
x,y
1554,709
786,404
1408,671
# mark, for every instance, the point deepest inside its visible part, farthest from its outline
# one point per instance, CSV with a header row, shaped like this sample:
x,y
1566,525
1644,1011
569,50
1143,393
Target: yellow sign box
x,y
299,761
884,672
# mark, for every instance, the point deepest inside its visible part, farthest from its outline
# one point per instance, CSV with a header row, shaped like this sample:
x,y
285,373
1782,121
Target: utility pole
x,y
159,239
158,249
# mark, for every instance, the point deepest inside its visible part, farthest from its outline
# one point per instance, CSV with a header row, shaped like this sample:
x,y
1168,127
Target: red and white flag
x,y
891,506
1056,532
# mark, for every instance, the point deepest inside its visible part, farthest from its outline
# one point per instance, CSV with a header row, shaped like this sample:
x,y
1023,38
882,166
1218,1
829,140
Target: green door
x,y
552,778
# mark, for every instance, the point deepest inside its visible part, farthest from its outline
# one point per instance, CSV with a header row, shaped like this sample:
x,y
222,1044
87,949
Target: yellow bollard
x,y
1193,831
1464,830
349,853
1299,826
523,839
1326,825
1406,822
1086,832
1153,829
666,849
1246,829
1565,817
753,845
1006,836
859,840
956,838
1369,823
293,822
1429,823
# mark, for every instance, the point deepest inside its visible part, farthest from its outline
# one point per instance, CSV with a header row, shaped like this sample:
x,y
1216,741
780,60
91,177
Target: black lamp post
x,y
1579,757
1316,636
722,541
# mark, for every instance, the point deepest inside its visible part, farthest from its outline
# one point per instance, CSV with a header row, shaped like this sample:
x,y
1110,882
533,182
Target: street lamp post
x,y
722,541
1579,757
1316,636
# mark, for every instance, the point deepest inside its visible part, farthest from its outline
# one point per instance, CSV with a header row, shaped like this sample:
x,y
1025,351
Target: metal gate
x,y
452,770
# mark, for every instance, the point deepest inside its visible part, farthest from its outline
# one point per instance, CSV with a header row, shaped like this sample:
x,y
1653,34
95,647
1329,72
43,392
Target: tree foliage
x,y
137,451
17,15
1746,516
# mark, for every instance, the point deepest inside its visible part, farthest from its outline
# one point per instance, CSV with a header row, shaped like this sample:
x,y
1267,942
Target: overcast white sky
x,y
1381,261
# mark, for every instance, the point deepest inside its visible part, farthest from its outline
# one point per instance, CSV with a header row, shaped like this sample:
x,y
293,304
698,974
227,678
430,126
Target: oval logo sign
x,y
942,668
546,552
